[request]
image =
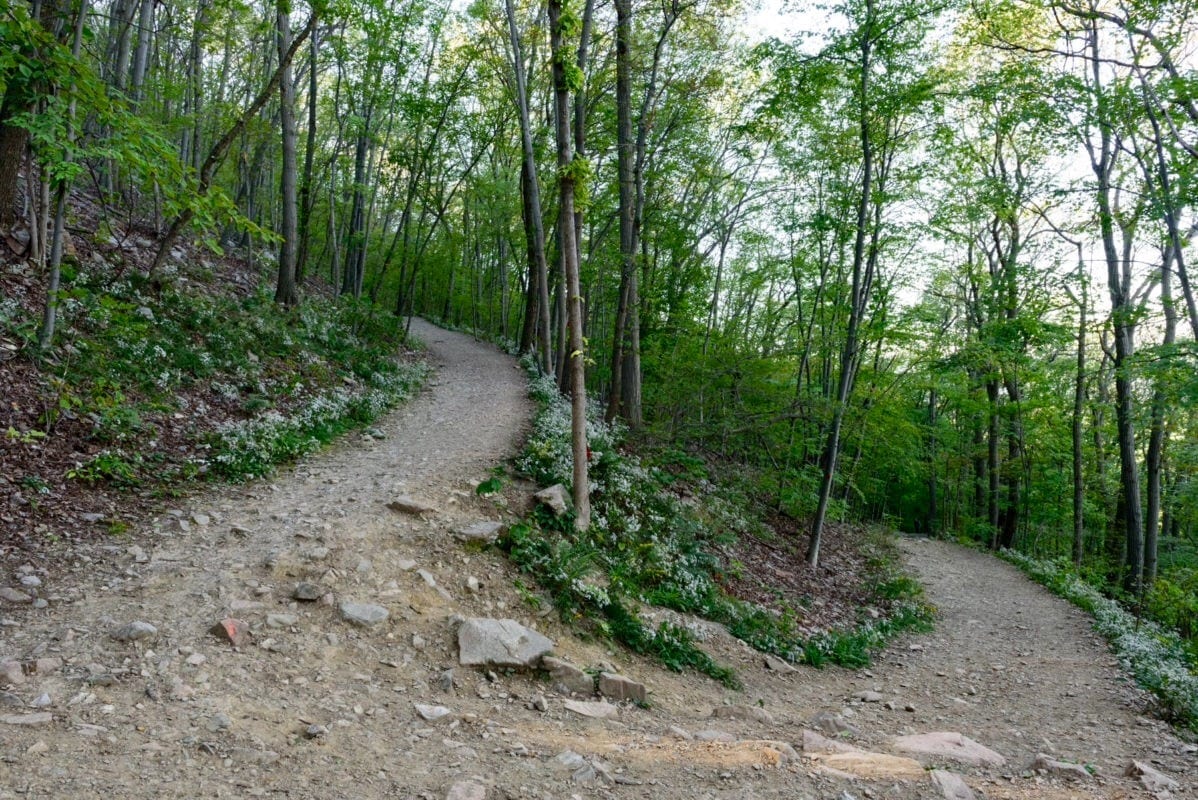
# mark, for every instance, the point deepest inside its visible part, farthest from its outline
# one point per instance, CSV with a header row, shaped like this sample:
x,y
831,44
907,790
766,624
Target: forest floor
x,y
313,707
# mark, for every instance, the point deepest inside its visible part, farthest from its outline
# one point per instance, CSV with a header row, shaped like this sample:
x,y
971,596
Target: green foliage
x,y
646,547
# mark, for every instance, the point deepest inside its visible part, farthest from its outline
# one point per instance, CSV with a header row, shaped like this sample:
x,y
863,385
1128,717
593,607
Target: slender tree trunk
x,y
858,297
286,292
1079,400
577,357
306,197
1154,460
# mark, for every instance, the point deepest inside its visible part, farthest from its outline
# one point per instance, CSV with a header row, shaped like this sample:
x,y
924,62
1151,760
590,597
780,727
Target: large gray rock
x,y
1156,782
500,643
619,687
951,785
599,709
566,677
482,532
135,631
1061,769
556,498
949,745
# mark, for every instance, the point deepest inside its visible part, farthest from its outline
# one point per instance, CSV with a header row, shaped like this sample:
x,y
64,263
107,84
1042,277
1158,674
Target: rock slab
x,y
500,643
406,504
618,687
483,532
364,615
949,745
556,498
567,677
951,785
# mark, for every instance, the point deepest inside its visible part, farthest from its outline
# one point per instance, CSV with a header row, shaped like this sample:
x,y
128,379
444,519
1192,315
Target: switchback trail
x,y
312,706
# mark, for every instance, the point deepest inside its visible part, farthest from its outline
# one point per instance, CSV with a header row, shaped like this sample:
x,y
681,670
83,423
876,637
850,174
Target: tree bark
x,y
286,292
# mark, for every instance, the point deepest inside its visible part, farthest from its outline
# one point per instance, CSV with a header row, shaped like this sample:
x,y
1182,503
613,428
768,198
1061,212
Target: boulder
x,y
618,687
364,615
567,676
234,631
1152,779
951,785
500,643
600,709
556,498
949,745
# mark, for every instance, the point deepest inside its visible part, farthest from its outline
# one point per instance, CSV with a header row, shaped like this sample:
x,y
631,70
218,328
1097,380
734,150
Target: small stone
x,y
196,659
775,664
200,518
618,687
1061,769
484,532
595,710
681,733
868,697
15,596
315,731
466,790
405,504
432,713
752,713
281,620
307,592
556,498
427,577
37,748
42,701
472,584
234,631
31,581
218,722
445,681
27,720
10,700
418,642
538,703
951,785
365,615
139,554
134,632
714,736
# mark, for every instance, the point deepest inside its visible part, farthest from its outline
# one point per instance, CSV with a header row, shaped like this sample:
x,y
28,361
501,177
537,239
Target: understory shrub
x,y
646,547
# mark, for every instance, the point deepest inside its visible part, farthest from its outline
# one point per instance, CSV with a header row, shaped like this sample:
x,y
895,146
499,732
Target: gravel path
x,y
313,707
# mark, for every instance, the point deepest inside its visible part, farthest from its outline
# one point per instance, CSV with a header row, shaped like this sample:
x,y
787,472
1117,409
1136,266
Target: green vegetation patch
x,y
645,547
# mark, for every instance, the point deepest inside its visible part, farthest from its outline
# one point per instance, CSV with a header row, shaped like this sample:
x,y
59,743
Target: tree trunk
x,y
286,292
1079,400
577,356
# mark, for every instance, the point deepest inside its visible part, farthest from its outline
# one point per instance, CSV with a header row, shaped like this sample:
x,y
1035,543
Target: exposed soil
x,y
187,715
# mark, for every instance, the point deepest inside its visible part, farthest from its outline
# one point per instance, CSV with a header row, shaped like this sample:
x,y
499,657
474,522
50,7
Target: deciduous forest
x,y
923,263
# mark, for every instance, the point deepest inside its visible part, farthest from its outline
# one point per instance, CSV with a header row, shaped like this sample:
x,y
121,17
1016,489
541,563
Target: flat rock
x,y
714,736
406,504
1060,769
40,718
595,710
10,595
134,632
432,713
466,790
751,713
872,766
950,745
565,675
868,697
500,643
815,743
234,631
11,700
832,724
364,615
619,687
281,620
556,498
482,532
1151,778
951,785
775,664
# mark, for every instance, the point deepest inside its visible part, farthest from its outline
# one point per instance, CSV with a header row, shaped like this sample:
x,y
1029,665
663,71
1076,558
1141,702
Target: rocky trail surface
x,y
329,634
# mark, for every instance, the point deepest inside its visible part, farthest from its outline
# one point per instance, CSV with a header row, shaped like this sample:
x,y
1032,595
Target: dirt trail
x,y
313,707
